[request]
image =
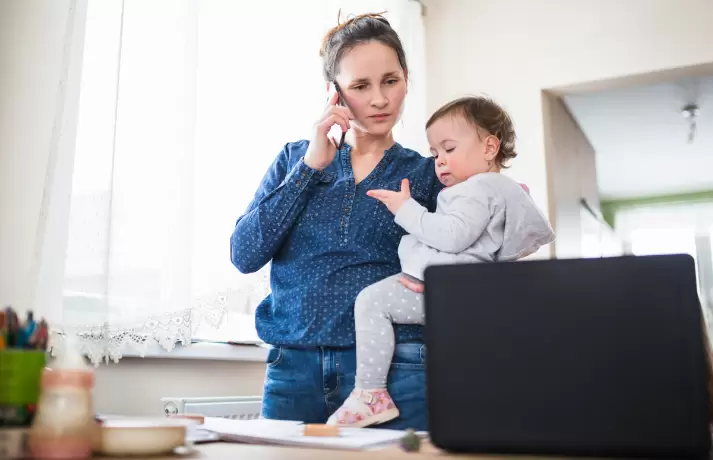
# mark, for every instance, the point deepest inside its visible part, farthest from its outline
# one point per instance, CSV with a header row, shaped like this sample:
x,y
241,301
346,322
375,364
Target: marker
x,y
12,325
41,337
27,331
2,330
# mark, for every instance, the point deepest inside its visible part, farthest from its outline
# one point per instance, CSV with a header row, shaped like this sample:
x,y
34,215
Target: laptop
x,y
592,357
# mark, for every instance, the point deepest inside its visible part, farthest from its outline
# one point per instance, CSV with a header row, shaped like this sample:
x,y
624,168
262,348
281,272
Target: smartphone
x,y
340,101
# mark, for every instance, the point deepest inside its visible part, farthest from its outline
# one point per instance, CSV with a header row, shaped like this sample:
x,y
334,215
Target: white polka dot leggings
x,y
377,308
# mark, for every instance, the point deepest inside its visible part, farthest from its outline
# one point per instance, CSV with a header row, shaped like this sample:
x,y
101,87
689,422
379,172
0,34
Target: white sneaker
x,y
365,407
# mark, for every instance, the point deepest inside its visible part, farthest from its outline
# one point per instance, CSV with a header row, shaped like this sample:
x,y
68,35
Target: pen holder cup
x,y
20,374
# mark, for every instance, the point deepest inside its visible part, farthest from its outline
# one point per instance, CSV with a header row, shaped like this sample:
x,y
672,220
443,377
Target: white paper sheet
x,y
290,434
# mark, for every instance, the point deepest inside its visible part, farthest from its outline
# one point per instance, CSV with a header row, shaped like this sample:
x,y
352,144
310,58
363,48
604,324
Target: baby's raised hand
x,y
393,200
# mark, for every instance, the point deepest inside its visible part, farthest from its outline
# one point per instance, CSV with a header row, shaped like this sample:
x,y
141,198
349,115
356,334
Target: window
x,y
655,241
673,228
183,106
597,238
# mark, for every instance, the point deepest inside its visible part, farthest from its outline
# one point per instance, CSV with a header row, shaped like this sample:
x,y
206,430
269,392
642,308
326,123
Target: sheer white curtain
x,y
183,105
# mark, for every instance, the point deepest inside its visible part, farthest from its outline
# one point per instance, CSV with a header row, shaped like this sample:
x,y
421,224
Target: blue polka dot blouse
x,y
327,240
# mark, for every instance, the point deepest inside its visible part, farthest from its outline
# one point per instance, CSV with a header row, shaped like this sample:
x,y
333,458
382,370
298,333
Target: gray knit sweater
x,y
486,218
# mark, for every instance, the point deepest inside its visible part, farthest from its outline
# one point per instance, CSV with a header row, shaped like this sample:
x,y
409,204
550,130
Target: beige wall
x,y
572,176
512,49
135,386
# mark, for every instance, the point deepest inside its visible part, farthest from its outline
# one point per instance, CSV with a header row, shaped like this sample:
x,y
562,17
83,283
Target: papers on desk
x,y
290,434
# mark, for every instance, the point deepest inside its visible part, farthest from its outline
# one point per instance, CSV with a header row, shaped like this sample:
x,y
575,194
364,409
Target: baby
x,y
481,216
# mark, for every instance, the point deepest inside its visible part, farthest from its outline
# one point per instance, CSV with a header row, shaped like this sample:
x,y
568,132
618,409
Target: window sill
x,y
206,351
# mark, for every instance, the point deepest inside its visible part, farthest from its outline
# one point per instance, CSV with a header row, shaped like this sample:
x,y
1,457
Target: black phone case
x,y
340,101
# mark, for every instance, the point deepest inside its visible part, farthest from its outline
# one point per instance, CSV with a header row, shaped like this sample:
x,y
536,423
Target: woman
x,y
327,239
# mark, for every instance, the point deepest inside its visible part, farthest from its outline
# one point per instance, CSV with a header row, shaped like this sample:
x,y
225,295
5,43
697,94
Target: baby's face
x,y
459,151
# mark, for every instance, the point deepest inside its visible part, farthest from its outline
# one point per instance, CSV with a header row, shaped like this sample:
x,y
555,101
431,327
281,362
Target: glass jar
x,y
64,426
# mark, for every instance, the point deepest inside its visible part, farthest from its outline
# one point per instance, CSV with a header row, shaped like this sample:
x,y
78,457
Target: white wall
x,y
135,386
572,176
512,49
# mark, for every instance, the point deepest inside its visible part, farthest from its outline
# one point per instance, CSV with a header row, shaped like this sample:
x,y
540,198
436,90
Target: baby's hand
x,y
393,200
409,283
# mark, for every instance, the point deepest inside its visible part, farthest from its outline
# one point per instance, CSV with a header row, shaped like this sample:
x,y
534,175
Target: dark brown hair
x,y
485,115
355,31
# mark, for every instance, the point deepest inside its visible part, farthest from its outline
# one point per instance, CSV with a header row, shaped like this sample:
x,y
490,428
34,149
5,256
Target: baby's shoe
x,y
365,407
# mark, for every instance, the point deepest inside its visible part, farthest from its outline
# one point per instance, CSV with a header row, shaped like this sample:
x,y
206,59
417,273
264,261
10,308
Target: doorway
x,y
630,167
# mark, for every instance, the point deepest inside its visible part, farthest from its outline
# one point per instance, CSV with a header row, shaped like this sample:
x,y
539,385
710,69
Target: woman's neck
x,y
368,144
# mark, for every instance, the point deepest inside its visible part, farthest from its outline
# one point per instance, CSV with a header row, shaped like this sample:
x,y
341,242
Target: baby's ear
x,y
492,147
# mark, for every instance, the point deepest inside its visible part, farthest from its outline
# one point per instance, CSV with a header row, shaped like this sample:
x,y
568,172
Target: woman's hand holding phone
x,y
322,148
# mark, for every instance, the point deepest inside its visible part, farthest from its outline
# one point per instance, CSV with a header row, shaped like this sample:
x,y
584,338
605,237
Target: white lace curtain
x,y
183,105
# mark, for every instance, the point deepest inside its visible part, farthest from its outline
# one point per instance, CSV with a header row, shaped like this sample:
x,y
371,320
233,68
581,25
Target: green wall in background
x,y
609,208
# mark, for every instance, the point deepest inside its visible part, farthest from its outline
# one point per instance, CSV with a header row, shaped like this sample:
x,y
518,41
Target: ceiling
x,y
641,138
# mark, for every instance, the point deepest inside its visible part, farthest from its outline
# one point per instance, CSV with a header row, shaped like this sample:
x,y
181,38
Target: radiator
x,y
233,407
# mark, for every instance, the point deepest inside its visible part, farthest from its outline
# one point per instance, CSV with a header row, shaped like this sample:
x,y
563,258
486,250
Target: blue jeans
x,y
308,385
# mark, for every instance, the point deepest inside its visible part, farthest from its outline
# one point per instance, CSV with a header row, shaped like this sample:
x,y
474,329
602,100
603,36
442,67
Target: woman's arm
x,y
269,218
281,196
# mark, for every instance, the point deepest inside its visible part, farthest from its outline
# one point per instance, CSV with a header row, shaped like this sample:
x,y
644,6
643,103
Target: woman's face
x,y
374,86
